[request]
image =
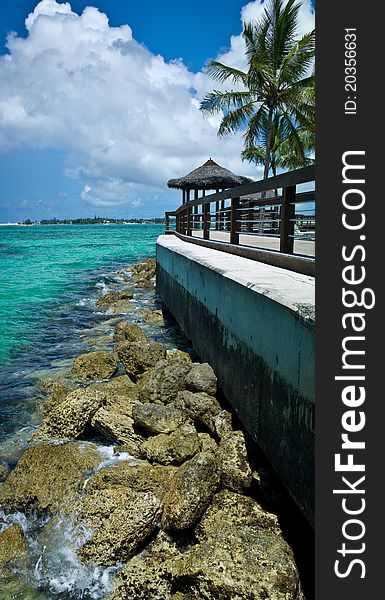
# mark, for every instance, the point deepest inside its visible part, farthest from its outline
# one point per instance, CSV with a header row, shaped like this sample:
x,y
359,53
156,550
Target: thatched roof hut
x,y
209,176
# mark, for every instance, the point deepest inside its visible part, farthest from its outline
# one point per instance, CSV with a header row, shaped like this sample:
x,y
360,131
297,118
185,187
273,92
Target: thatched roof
x,y
209,176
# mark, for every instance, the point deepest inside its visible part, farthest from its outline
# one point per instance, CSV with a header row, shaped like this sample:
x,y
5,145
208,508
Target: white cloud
x,y
127,119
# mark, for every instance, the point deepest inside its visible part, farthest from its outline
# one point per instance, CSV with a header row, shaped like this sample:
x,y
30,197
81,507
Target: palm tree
x,y
275,88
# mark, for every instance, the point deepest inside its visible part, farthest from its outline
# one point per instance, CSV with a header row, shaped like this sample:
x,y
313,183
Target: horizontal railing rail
x,y
270,214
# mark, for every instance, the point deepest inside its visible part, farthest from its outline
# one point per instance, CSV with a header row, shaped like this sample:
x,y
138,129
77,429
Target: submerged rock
x,y
70,418
164,381
48,475
155,418
175,448
129,332
138,357
190,492
231,508
13,548
4,470
94,365
241,563
202,378
113,297
152,316
121,522
236,473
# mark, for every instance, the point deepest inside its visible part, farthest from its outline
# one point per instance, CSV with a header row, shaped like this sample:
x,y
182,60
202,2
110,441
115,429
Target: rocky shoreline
x,y
176,514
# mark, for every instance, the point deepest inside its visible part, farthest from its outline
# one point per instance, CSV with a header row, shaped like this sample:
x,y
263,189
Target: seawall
x,y
254,323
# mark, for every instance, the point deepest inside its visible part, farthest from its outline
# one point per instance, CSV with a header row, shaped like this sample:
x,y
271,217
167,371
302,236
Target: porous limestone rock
x,y
138,357
222,423
129,332
155,418
199,405
202,378
113,297
70,418
241,563
163,382
233,509
13,548
4,470
190,492
175,448
48,475
59,391
152,316
236,473
94,365
207,442
121,521
178,356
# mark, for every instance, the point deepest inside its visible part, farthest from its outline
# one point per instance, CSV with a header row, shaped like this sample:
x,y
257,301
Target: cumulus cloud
x,y
128,119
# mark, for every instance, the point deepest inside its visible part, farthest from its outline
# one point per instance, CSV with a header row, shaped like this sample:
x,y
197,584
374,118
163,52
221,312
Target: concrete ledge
x,y
254,323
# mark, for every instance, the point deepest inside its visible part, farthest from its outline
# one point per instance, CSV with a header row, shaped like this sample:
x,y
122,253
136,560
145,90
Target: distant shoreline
x,y
77,223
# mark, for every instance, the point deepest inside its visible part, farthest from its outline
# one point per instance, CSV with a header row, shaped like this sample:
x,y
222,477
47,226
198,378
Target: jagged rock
x,y
144,577
199,405
138,357
202,378
48,475
190,492
94,365
4,470
113,297
231,508
129,332
235,469
152,316
155,418
114,420
59,391
70,418
121,521
222,423
175,448
207,442
241,563
178,356
13,548
139,476
162,384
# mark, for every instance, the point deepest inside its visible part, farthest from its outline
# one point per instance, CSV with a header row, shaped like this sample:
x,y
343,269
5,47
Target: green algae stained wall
x,y
263,354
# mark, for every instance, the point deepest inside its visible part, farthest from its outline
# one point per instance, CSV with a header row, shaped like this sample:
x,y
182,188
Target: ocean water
x,y
51,278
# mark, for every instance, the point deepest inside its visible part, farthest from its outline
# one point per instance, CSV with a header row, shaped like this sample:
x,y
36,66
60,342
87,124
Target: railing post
x,y
287,220
167,219
188,217
234,235
206,221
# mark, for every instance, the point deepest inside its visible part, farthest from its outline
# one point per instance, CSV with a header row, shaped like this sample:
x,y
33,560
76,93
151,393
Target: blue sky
x,y
100,106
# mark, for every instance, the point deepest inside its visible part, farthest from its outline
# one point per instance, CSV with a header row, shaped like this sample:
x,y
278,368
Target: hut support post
x,y
287,220
206,221
234,234
195,210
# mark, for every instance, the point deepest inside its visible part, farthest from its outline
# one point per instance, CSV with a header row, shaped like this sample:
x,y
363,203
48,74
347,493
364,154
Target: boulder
x,y
175,448
190,492
202,378
118,391
48,475
162,384
94,365
118,427
199,405
70,418
113,297
121,521
234,465
13,548
222,423
233,509
138,476
207,442
155,418
152,316
138,357
178,356
144,576
129,332
59,392
241,563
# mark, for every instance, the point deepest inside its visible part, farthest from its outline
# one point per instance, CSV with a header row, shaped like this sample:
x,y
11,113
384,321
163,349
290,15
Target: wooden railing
x,y
267,216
